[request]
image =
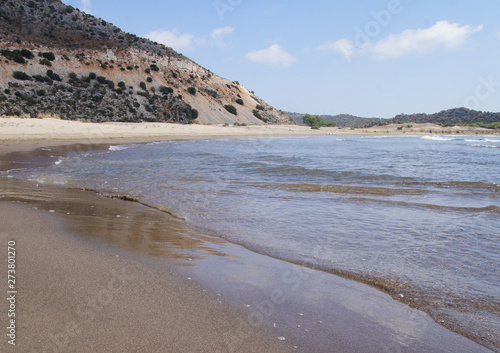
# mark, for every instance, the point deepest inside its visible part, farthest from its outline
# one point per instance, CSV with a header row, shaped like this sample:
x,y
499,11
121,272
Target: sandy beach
x,y
86,282
72,297
17,134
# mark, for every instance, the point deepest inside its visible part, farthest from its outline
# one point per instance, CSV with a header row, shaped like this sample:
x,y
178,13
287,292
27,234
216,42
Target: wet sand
x,y
99,274
74,297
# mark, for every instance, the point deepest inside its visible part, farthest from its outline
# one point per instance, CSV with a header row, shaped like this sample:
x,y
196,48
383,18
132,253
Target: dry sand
x,y
26,134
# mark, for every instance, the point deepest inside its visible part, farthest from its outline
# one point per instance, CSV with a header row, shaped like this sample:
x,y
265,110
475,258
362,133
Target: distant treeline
x,y
450,117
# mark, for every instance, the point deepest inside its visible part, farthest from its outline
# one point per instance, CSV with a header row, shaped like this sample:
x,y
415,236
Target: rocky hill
x,y
57,60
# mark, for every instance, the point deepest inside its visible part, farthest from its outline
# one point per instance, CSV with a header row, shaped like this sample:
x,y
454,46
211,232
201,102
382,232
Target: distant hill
x,y
457,116
450,117
342,120
57,60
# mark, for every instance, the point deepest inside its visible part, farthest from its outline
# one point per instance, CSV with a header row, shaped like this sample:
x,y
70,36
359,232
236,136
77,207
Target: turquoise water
x,y
416,216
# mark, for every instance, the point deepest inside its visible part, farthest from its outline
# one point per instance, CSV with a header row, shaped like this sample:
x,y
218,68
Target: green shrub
x,y
13,55
143,85
41,92
194,114
154,67
45,62
192,90
166,90
19,75
259,107
39,78
231,108
27,54
19,60
49,56
102,80
121,84
256,113
240,101
92,76
149,79
148,70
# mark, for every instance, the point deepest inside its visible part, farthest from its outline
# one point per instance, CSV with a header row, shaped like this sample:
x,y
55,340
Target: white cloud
x,y
179,41
218,35
86,6
442,34
274,55
172,38
343,46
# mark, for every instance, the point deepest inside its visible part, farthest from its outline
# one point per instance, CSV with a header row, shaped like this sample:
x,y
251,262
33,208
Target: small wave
x,y
437,138
485,209
465,184
115,148
482,140
131,199
484,146
347,189
59,161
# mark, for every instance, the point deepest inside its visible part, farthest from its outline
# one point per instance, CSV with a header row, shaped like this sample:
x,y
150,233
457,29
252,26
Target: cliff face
x,y
57,60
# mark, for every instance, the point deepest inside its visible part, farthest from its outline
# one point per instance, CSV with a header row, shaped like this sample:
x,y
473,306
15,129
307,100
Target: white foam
x,y
119,147
437,138
485,146
483,140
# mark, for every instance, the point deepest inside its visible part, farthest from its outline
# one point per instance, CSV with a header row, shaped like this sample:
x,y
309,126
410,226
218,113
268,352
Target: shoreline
x,y
367,294
75,296
17,134
235,297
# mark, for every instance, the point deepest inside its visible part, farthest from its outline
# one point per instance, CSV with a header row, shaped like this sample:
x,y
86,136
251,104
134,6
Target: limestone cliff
x,y
57,60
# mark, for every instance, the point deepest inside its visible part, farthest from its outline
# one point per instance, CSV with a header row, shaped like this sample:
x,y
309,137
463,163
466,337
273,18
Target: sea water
x,y
417,216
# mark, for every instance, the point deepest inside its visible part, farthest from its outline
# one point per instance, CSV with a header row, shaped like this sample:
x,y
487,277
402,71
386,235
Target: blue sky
x,y
366,57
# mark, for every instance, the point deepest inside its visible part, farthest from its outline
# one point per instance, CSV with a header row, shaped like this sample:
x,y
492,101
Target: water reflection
x,y
123,224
